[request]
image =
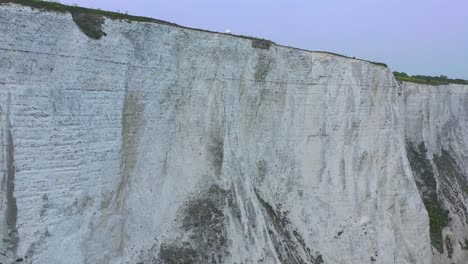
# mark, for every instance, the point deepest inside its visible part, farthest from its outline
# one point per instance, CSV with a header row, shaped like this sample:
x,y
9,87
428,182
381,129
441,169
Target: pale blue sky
x,y
416,36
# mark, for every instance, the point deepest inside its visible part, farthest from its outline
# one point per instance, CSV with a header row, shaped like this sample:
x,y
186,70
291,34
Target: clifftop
x,y
90,22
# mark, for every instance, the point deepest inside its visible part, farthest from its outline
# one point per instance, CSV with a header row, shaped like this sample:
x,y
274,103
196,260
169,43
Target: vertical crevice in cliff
x,y
132,115
12,209
10,240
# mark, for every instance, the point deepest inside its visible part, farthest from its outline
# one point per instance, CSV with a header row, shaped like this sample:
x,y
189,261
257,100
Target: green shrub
x,y
438,219
430,80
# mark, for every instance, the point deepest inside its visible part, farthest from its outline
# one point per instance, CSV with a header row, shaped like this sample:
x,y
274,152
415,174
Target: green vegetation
x,y
438,219
430,80
90,24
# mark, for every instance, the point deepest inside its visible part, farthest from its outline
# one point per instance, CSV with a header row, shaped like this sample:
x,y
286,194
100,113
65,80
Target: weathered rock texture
x,y
437,143
159,144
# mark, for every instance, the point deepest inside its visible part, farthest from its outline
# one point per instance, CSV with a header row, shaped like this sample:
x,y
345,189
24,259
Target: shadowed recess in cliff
x,y
427,186
203,219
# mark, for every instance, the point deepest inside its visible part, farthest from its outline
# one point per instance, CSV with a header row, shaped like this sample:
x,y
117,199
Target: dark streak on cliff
x,y
290,246
262,68
11,212
11,201
132,116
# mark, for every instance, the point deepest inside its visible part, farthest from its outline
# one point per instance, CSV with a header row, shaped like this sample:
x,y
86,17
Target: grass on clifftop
x,y
429,80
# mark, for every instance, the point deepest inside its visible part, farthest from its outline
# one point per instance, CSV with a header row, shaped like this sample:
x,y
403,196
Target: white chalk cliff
x,y
162,144
436,129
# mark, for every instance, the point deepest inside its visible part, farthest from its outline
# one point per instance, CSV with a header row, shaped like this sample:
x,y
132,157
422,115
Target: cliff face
x,y
437,141
158,144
